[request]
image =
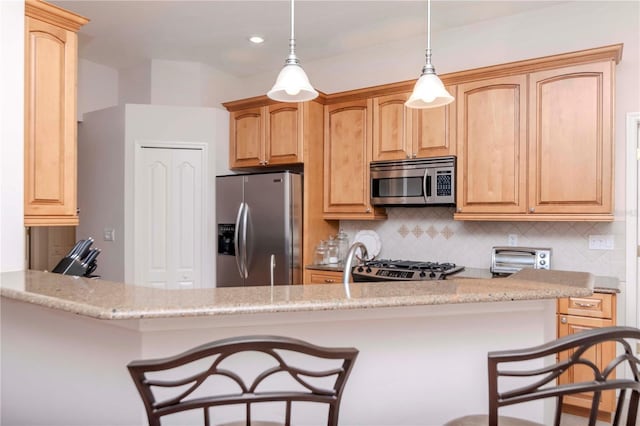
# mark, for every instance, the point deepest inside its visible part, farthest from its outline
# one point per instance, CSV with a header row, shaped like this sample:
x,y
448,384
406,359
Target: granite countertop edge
x,y
118,301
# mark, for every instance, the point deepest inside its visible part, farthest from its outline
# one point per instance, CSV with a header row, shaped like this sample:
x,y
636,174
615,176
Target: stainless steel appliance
x,y
509,260
403,270
420,182
258,220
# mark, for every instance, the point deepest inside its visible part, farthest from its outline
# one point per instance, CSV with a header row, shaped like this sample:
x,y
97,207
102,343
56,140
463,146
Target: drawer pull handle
x,y
585,305
329,280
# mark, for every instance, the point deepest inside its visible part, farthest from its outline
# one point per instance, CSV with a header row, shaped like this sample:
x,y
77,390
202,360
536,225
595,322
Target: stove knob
x,y
360,269
432,274
422,274
368,270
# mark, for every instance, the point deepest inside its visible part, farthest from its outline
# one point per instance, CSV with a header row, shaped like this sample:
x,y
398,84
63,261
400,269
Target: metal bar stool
x,y
185,393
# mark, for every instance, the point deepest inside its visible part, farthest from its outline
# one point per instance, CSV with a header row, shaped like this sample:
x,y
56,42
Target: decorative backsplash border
x,y
432,234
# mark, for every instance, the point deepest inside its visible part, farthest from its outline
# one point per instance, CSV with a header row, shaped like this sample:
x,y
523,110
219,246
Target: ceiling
x,y
124,33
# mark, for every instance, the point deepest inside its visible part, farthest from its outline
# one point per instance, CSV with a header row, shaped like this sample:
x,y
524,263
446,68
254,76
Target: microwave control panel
x,y
444,182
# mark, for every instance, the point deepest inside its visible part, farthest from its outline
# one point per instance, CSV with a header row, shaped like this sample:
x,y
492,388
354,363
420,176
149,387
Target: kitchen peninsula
x,y
422,345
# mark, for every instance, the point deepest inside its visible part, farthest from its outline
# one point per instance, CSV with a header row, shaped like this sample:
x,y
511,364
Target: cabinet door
x,y
391,127
347,153
600,355
283,143
433,130
50,124
492,146
247,133
570,140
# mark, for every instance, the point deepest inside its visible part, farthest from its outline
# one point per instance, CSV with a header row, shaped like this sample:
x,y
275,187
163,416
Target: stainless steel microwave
x,y
419,182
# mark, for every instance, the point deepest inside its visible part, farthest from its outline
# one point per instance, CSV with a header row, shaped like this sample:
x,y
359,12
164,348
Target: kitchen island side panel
x,y
412,359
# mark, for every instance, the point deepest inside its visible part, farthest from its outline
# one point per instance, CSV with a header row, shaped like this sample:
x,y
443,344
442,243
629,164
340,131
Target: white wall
x,y
97,87
12,231
134,84
101,187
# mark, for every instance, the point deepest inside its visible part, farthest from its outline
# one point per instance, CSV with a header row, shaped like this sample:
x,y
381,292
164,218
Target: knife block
x,y
69,266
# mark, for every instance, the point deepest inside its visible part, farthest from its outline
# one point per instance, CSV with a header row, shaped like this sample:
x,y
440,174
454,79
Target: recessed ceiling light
x,y
256,39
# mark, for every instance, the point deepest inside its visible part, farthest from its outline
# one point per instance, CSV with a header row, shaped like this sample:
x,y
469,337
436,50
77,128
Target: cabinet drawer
x,y
326,277
598,305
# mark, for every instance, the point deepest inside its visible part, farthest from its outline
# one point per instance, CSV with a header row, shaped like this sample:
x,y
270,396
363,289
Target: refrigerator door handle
x,y
272,267
245,216
236,240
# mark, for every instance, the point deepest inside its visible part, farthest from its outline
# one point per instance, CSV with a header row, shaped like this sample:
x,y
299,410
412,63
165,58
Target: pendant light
x,y
429,92
292,84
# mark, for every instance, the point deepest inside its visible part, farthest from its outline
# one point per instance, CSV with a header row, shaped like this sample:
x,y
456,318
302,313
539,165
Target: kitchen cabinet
x,y
525,140
347,154
267,135
576,314
571,139
400,132
492,143
50,144
324,277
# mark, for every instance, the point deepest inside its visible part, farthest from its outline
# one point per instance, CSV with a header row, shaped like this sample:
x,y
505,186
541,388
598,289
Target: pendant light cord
x,y
428,67
292,59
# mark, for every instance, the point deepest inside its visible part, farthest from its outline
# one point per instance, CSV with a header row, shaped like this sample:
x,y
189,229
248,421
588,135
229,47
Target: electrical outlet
x,y
512,240
601,242
109,234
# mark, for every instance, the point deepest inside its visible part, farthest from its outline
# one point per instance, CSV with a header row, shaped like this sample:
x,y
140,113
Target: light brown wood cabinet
x,y
492,144
571,140
267,135
400,133
50,182
538,145
324,277
576,314
347,154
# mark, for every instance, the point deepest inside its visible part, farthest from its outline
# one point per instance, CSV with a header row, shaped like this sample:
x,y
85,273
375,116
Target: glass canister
x,y
343,245
332,251
321,256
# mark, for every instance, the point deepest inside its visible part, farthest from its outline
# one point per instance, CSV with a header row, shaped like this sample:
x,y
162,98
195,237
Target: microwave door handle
x,y
426,189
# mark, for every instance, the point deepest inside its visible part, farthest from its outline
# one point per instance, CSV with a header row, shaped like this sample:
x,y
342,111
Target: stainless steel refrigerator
x,y
259,224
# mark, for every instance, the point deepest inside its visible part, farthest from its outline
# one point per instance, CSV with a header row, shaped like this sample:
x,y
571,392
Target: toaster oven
x,y
509,260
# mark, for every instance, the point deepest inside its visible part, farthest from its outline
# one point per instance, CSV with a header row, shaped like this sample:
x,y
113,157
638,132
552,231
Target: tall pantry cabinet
x,y
50,114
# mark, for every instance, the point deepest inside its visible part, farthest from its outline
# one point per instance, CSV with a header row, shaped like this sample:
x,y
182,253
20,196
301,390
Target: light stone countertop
x,y
112,300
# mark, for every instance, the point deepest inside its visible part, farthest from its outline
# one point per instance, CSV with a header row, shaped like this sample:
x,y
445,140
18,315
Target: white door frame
x,y
207,255
633,155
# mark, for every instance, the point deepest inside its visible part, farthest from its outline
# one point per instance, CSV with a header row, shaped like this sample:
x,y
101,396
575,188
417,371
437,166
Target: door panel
x,y
169,223
229,196
268,234
569,139
492,146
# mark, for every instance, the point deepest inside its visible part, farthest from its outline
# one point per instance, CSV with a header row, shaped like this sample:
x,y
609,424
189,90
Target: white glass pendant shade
x,y
429,92
292,85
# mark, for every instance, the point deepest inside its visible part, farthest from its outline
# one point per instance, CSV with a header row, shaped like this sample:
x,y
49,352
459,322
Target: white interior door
x,y
169,220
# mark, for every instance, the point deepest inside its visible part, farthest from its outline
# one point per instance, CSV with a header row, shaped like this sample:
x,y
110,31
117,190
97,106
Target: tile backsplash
x,y
432,234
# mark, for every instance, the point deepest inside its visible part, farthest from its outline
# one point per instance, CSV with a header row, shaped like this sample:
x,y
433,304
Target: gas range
x,y
402,270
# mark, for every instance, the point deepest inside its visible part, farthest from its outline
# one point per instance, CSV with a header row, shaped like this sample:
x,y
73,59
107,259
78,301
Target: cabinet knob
x,y
414,155
459,209
531,210
329,280
368,209
563,320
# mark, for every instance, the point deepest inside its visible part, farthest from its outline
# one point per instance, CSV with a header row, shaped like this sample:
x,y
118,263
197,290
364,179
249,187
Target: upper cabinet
x,y
50,183
347,154
492,144
400,133
571,140
538,144
267,135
